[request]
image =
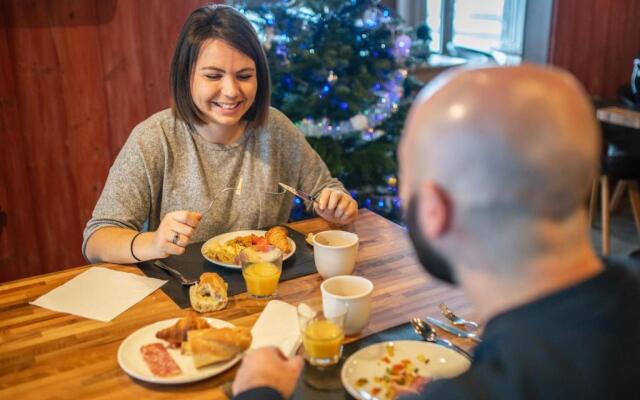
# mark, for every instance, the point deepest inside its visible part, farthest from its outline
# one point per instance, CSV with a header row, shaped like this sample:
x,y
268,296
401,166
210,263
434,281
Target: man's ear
x,y
434,210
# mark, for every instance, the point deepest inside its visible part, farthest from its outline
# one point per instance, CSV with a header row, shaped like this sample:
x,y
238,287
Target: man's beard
x,y
430,259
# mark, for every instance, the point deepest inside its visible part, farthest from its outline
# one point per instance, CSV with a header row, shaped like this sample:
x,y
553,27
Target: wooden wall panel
x,y
77,76
137,43
16,247
596,40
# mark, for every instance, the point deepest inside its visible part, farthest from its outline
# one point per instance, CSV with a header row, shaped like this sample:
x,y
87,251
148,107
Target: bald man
x,y
495,165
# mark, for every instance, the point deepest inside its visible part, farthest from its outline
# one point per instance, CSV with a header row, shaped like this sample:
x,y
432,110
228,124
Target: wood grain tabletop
x,y
50,355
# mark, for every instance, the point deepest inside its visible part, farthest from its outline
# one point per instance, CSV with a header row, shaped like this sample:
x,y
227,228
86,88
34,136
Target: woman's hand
x,y
174,233
336,206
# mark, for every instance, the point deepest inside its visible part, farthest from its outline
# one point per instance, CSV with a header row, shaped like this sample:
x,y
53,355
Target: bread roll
x,y
210,294
208,346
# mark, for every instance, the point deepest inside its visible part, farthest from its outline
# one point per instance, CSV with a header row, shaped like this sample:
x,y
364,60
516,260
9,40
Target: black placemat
x,y
192,264
326,384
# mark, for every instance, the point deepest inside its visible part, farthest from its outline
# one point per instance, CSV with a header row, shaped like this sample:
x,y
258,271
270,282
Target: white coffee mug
x,y
334,253
354,292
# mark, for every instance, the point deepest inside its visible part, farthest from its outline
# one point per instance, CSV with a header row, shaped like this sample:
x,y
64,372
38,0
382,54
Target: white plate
x,y
132,363
222,238
366,363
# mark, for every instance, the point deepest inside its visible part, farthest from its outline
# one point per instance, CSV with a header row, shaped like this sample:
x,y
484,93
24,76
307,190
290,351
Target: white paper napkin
x,y
277,326
99,293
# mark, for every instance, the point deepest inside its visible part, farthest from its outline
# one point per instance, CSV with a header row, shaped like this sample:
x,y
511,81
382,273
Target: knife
x,y
299,193
453,330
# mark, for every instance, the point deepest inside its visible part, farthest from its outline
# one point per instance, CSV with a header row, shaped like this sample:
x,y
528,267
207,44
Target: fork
x,y
176,274
456,320
237,190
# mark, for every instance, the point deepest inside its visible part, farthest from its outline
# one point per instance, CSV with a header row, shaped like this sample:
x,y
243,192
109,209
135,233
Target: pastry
x,y
177,333
277,236
210,294
208,346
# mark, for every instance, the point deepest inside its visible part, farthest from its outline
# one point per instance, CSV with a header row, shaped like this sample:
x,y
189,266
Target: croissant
x,y
177,333
277,236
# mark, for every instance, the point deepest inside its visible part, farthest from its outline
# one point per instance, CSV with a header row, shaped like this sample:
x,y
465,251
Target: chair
x,y
627,98
620,162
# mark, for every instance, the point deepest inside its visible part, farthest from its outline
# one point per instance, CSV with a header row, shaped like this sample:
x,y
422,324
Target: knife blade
x,y
299,193
454,330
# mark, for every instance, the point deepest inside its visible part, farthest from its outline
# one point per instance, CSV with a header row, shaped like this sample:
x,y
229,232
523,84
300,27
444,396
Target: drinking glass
x,y
261,269
322,336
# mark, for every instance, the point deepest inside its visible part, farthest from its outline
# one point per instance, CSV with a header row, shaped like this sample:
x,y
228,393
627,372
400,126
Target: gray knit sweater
x,y
164,167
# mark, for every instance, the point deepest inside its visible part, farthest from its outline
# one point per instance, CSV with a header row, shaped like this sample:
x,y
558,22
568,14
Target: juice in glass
x,y
322,337
262,278
261,269
323,342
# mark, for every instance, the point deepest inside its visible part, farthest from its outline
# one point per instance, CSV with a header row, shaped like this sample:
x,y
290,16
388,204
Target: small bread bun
x,y
210,294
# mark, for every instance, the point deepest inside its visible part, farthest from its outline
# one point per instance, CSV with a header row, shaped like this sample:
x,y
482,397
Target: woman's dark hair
x,y
216,22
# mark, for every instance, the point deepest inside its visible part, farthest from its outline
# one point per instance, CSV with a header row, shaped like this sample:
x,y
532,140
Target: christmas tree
x,y
339,70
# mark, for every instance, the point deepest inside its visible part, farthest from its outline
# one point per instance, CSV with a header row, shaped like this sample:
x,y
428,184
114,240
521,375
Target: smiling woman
x,y
220,131
224,87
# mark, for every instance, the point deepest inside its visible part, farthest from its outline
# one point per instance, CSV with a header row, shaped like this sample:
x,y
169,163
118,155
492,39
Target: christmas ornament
x,y
402,47
359,122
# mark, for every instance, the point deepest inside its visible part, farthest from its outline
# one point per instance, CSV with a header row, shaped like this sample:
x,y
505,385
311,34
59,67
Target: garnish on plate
x,y
400,377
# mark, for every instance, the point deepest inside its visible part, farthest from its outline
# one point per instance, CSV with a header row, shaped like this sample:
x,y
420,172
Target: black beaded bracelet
x,y
131,245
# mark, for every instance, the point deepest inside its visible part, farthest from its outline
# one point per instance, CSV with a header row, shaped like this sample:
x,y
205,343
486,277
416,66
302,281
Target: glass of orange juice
x,y
261,269
322,336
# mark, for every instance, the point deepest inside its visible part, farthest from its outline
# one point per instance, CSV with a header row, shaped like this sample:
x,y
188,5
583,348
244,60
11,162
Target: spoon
x,y
456,320
429,334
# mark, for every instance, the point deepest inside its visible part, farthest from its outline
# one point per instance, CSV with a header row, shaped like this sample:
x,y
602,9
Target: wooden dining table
x,y
51,355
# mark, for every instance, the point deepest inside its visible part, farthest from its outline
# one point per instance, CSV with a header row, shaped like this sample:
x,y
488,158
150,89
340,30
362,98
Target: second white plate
x,y
132,363
230,235
367,363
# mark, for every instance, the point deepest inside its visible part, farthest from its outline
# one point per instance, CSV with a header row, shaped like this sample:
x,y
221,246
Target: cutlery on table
x,y
456,320
299,193
429,334
176,274
453,330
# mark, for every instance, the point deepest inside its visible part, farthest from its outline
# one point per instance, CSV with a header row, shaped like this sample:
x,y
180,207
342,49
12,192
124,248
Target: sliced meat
x,y
159,360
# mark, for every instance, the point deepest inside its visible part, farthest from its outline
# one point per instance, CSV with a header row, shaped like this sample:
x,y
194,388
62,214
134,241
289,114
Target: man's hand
x,y
174,233
268,367
336,206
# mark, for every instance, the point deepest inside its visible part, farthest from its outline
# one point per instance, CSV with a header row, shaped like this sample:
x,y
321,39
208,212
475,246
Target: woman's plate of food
x,y
390,369
225,248
182,350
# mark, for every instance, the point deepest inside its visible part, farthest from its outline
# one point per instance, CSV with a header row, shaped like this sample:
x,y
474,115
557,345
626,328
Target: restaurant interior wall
x,y
597,41
75,77
78,75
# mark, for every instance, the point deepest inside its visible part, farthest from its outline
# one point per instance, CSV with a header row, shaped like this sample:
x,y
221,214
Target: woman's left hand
x,y
336,206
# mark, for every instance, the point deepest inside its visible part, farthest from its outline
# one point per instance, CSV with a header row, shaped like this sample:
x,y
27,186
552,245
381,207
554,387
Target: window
x,y
494,27
477,24
434,21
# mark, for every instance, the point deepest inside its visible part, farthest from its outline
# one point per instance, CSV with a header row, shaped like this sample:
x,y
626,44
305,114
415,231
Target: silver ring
x,y
175,239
